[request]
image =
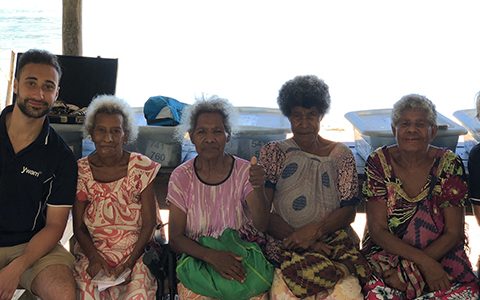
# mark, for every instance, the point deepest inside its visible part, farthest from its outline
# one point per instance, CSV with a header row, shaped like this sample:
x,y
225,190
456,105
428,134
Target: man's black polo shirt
x,y
43,174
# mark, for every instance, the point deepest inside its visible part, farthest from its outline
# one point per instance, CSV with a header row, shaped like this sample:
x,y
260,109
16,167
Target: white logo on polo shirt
x,y
31,172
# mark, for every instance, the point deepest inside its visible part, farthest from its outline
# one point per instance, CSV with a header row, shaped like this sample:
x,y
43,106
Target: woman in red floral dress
x,y
115,212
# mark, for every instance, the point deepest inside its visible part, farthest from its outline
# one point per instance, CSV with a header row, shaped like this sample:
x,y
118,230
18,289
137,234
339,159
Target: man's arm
x,y
45,240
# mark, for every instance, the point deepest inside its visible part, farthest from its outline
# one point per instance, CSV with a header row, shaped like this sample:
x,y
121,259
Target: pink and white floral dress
x,y
113,219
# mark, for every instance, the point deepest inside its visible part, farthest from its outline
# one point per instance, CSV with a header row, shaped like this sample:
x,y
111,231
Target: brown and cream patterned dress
x,y
307,188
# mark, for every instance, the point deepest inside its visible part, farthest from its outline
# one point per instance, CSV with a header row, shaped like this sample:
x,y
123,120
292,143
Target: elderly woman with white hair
x,y
211,196
415,195
114,214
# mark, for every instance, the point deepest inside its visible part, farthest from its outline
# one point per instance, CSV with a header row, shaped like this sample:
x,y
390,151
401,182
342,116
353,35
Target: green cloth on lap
x,y
201,278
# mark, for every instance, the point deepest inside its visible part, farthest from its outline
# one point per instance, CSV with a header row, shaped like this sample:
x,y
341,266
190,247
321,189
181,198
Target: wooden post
x,y
72,27
8,98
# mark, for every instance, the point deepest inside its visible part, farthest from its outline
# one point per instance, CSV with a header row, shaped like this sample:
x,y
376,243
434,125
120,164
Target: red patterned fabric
x,y
113,219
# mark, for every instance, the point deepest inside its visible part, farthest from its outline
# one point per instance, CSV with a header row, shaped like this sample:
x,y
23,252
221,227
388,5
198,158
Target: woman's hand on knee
x,y
96,264
435,275
228,265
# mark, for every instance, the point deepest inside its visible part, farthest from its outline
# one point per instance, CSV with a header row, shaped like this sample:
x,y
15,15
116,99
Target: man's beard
x,y
33,112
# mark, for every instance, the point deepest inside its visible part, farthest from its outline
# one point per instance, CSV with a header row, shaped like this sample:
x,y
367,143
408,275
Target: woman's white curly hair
x,y
112,105
212,104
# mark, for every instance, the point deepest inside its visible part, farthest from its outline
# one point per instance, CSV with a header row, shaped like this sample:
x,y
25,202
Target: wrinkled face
x,y
413,131
305,121
108,134
209,135
36,89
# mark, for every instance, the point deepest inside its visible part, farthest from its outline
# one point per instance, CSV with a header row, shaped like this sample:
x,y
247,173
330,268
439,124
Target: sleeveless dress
x,y
113,219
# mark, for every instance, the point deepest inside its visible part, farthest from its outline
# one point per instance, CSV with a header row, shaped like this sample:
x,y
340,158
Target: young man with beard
x,y
38,175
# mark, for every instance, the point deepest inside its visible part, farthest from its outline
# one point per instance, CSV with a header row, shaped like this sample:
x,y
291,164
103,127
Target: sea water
x,y
26,24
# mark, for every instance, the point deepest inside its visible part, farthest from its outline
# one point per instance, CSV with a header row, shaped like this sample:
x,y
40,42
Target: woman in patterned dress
x,y
213,191
415,196
115,212
313,184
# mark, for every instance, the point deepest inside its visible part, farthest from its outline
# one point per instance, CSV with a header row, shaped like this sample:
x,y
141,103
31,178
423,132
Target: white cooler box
x,y
468,119
372,129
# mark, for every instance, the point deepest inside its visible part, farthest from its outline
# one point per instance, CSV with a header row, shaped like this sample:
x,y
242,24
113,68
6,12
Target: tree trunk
x,y
72,27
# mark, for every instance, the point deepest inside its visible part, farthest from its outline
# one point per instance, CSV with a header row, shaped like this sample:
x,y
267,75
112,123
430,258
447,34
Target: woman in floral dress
x,y
415,196
115,212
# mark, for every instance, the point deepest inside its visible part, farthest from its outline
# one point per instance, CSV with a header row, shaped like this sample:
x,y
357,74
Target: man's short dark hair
x,y
36,56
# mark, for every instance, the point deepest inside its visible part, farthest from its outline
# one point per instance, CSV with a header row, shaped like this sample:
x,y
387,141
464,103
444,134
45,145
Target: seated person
x,y
114,215
213,191
474,175
415,195
313,184
37,175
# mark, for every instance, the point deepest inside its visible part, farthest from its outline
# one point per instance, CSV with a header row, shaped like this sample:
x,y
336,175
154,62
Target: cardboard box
x,y
372,129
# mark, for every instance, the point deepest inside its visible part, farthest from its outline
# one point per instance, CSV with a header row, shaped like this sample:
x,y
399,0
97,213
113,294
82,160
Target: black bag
x,y
161,261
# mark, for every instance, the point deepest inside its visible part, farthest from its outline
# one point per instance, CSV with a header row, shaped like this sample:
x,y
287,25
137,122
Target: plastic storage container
x,y
156,142
372,129
139,116
72,135
262,117
159,144
468,119
248,140
257,126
